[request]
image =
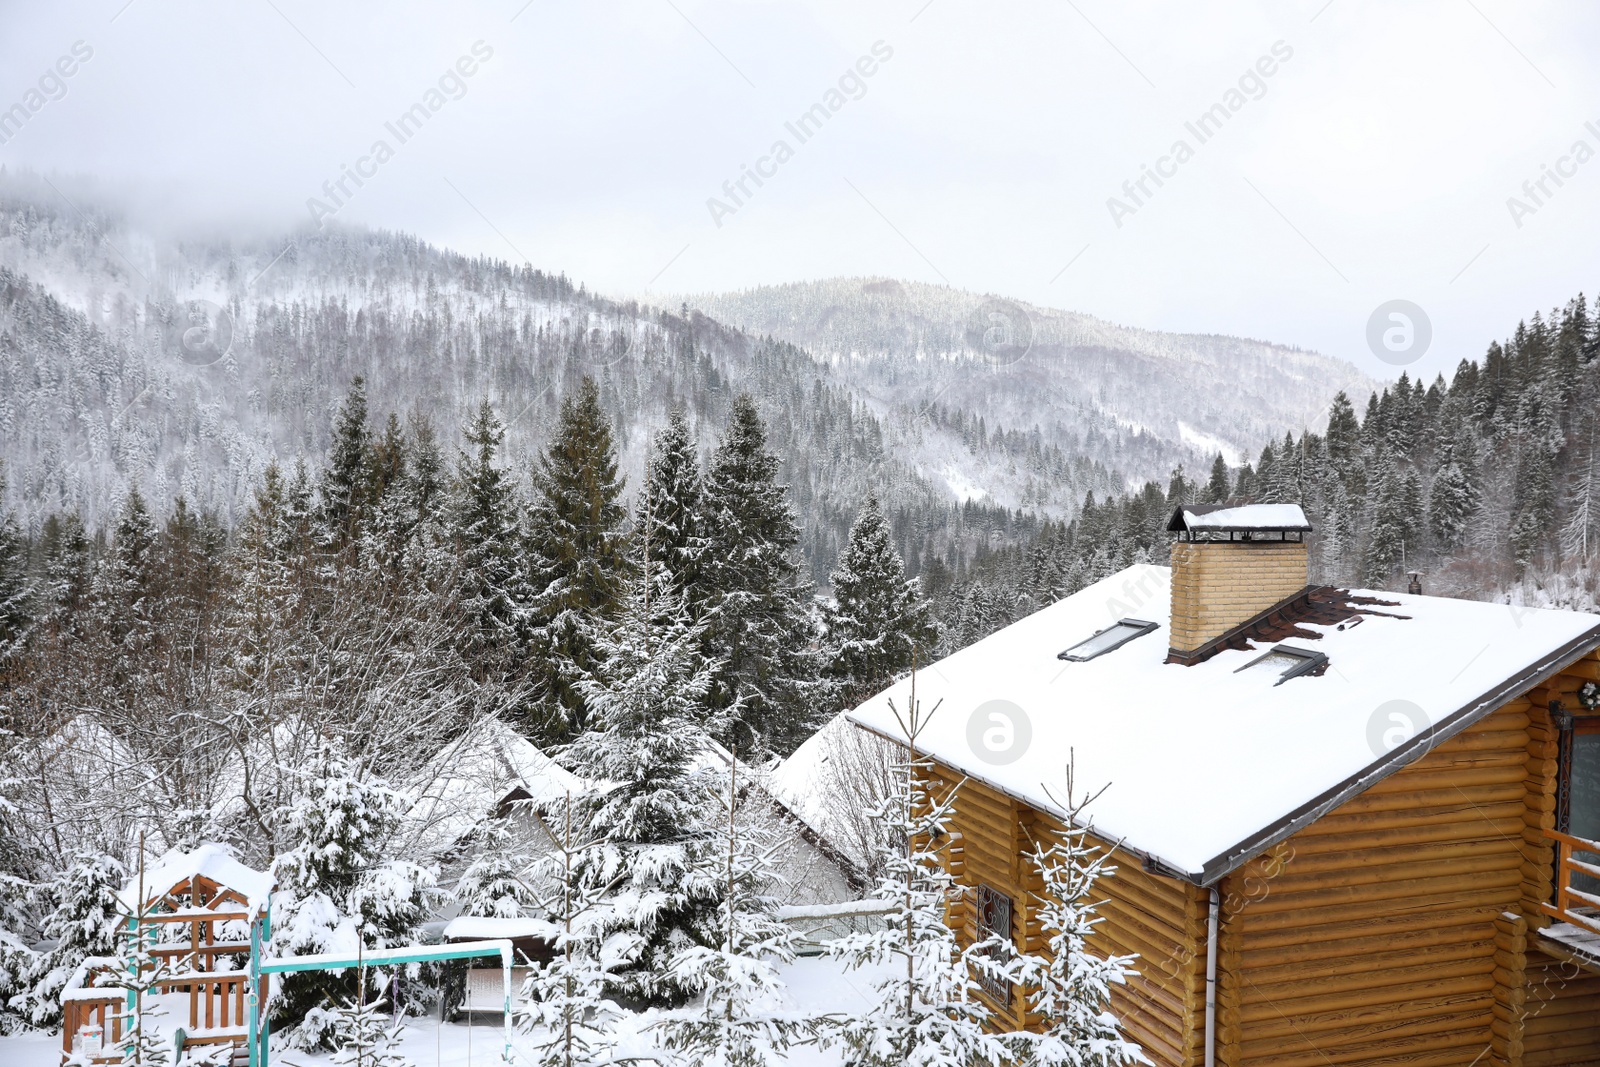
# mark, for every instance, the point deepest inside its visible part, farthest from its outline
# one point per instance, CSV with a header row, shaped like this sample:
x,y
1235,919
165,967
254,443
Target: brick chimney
x,y
1229,565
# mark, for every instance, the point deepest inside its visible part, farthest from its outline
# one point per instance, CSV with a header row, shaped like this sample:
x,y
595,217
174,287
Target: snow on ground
x,y
1209,444
815,984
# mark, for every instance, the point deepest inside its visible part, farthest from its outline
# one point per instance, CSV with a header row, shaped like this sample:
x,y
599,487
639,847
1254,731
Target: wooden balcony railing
x,y
1580,907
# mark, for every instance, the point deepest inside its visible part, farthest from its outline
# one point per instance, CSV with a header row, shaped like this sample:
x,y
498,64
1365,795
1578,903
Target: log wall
x,y
1399,929
1160,920
1375,941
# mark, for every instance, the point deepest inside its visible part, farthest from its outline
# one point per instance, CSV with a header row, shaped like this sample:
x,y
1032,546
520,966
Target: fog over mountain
x,y
183,365
1138,401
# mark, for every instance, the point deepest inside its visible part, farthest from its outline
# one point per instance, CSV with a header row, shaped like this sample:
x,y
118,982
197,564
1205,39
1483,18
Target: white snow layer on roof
x,y
207,861
1248,517
476,928
1194,760
470,777
802,782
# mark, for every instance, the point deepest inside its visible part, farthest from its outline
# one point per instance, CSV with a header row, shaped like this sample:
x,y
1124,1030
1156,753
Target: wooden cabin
x,y
201,904
1352,827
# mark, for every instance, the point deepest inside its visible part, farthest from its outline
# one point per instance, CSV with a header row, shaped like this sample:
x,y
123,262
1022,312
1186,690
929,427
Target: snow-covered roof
x,y
1212,517
801,782
476,928
470,778
207,861
1205,766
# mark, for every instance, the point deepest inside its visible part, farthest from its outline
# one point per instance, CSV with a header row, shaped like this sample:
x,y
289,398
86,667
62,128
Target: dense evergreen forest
x,y
104,389
1486,484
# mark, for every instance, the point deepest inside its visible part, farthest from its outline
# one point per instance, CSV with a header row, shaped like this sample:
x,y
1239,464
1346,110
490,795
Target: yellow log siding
x,y
1399,930
1374,943
1160,920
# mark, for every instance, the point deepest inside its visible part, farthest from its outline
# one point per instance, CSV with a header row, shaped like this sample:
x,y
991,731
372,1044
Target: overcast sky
x,y
1374,162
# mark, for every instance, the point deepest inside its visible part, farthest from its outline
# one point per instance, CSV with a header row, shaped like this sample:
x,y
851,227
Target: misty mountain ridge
x,y
185,365
1140,401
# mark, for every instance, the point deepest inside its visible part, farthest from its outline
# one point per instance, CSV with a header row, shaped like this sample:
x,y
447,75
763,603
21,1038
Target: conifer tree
x,y
346,485
670,504
123,588
925,1008
739,1018
495,883
578,551
17,605
649,829
68,568
1068,987
338,892
879,623
484,525
18,962
762,630
1386,543
86,920
566,1011
411,517
1453,497
1218,489
364,1034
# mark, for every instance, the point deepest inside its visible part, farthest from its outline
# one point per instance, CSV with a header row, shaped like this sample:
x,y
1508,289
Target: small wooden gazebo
x,y
211,897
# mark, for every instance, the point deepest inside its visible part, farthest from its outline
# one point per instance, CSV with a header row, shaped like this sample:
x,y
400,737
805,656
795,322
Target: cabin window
x,y
994,920
1103,641
1578,811
1286,661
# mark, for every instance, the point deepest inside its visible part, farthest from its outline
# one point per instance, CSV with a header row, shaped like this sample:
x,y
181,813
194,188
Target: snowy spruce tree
x,y
338,891
495,884
649,830
1219,488
1068,986
18,961
365,1033
878,624
670,503
738,1017
925,1010
17,594
345,488
87,920
762,630
484,524
567,1013
578,553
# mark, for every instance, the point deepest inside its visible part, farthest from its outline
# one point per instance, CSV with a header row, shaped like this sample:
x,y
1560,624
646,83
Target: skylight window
x,y
1112,637
1287,662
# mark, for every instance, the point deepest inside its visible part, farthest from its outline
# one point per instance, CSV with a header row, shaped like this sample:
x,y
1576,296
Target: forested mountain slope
x,y
183,368
1137,401
1487,485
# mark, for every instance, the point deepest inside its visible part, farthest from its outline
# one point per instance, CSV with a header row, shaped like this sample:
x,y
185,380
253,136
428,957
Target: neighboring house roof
x,y
1206,766
213,862
480,928
801,782
474,775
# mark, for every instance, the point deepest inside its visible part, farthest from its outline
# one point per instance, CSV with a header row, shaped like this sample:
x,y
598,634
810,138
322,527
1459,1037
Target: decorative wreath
x,y
1589,695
